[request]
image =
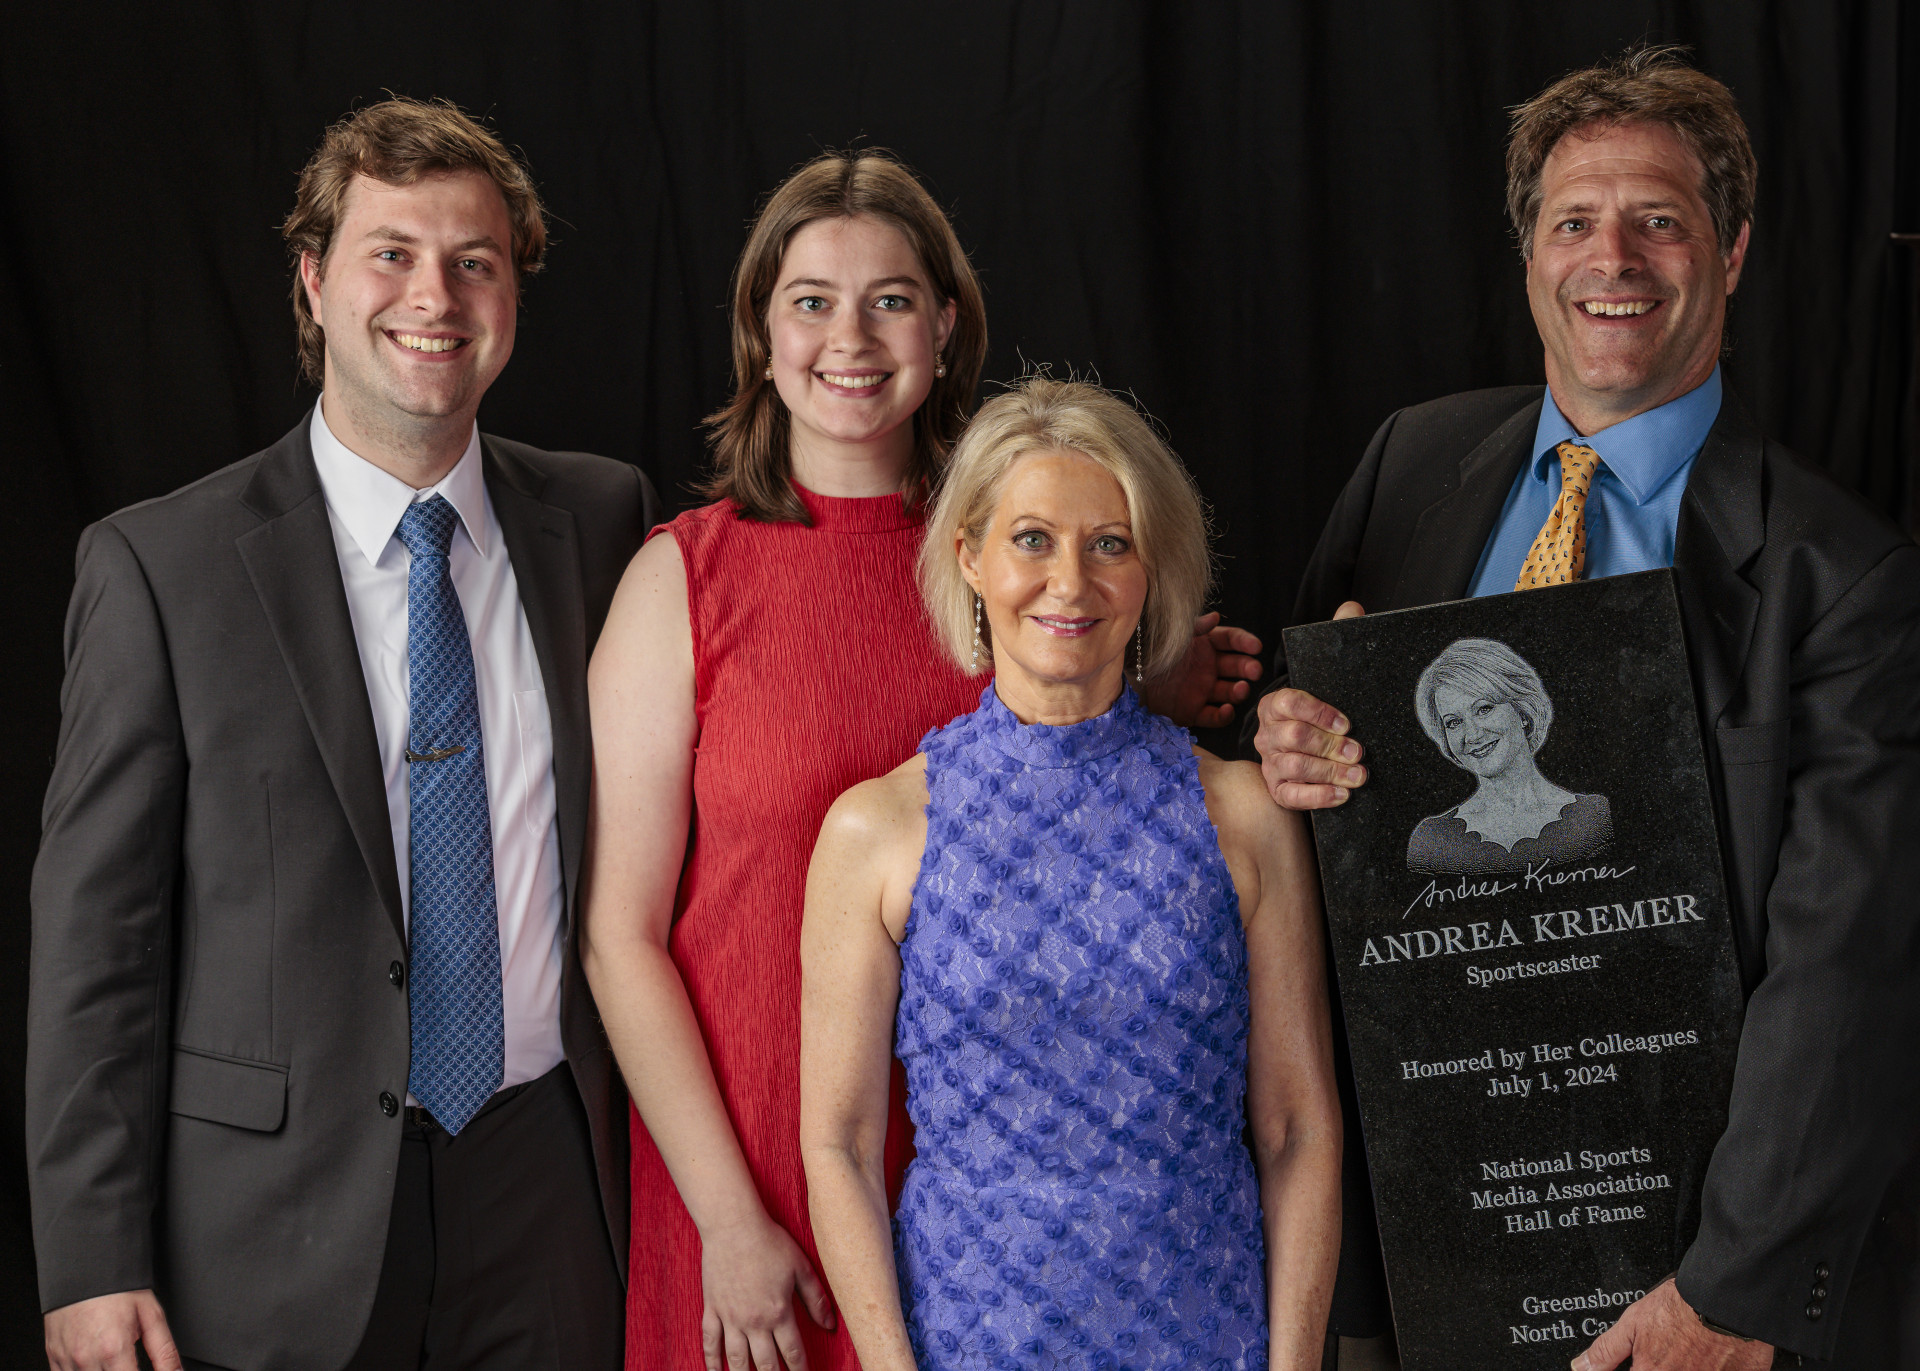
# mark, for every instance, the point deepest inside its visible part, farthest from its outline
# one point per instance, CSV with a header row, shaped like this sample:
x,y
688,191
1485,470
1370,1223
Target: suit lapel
x,y
1721,527
296,573
542,545
1452,531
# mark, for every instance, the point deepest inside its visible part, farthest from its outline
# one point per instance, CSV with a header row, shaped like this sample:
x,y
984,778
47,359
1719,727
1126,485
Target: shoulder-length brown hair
x,y
751,432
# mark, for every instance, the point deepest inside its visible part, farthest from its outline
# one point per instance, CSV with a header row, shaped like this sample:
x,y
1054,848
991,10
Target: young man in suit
x,y
1631,187
314,1080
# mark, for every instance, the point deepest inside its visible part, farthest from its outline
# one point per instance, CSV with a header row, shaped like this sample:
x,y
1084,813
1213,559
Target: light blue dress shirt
x,y
1633,506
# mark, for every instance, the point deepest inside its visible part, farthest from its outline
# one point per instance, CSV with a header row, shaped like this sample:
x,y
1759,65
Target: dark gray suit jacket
x,y
216,905
1801,610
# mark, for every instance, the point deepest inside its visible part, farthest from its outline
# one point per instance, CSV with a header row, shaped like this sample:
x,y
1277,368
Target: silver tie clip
x,y
436,754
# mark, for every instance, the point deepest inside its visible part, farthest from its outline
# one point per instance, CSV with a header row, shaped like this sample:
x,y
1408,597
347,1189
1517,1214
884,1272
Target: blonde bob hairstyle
x,y
1039,414
1493,671
749,434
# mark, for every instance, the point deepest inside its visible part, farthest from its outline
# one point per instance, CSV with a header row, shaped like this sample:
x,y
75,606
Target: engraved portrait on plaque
x,y
1489,715
1528,922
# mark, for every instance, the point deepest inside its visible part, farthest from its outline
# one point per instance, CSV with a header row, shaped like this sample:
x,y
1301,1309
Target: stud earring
x,y
939,366
1140,652
976,633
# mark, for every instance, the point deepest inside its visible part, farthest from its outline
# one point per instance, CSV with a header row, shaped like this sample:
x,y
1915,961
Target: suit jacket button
x,y
390,1106
1820,1272
1814,1312
397,974
1819,1293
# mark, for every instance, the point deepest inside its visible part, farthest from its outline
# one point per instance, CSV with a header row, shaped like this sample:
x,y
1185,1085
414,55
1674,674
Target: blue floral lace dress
x,y
1073,1020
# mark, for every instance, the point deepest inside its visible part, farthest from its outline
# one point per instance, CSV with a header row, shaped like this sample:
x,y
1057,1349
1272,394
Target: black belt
x,y
419,1116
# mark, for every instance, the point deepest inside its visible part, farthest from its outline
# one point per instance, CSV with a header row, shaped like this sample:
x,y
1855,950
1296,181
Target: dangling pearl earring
x,y
976,633
939,367
768,373
1140,652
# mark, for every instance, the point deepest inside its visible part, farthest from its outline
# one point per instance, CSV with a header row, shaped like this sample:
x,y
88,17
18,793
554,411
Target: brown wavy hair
x,y
400,141
1648,85
750,434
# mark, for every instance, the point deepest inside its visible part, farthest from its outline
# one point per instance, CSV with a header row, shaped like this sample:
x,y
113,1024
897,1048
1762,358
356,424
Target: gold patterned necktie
x,y
1559,553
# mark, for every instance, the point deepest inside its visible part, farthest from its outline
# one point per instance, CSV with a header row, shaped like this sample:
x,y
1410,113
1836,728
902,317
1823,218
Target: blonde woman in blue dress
x,y
1096,948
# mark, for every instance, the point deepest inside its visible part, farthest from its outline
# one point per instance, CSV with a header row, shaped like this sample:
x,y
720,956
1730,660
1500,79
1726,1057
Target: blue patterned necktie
x,y
459,1037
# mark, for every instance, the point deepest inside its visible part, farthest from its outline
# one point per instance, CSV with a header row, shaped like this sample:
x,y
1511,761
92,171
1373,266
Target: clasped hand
x,y
749,1273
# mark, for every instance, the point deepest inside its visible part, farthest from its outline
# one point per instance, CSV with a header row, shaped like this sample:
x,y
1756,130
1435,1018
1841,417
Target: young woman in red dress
x,y
763,654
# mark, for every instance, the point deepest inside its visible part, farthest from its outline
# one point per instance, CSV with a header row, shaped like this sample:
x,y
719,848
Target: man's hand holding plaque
x,y
1661,1332
1305,754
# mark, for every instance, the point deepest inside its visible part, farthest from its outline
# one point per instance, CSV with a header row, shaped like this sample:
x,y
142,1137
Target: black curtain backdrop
x,y
1272,221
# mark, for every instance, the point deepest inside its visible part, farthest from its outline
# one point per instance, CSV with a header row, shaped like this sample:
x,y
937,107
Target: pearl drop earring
x,y
1140,652
976,633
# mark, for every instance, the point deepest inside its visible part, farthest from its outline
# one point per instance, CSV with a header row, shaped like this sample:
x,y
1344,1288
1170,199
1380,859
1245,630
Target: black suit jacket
x,y
216,904
1801,609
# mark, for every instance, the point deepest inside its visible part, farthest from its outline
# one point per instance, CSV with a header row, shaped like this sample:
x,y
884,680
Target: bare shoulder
x,y
1237,798
868,856
659,561
647,642
1267,849
883,812
652,595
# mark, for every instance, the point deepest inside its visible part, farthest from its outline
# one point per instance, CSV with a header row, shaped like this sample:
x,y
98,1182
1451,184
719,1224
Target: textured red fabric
x,y
814,669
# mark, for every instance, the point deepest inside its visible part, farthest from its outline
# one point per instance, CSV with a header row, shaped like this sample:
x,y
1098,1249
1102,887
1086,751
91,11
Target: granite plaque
x,y
1530,930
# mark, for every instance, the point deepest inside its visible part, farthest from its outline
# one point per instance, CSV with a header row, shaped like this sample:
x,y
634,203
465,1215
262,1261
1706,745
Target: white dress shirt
x,y
364,504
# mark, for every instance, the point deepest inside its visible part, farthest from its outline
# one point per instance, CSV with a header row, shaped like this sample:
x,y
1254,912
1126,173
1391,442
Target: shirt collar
x,y
369,501
1642,452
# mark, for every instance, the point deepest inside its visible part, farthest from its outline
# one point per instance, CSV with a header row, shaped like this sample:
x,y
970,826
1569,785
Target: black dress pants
x,y
497,1255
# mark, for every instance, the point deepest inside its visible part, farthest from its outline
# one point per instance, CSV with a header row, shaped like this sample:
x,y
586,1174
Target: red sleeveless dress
x,y
814,669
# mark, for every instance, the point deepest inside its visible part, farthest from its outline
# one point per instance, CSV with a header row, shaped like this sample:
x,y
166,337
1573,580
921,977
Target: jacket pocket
x,y
227,1090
